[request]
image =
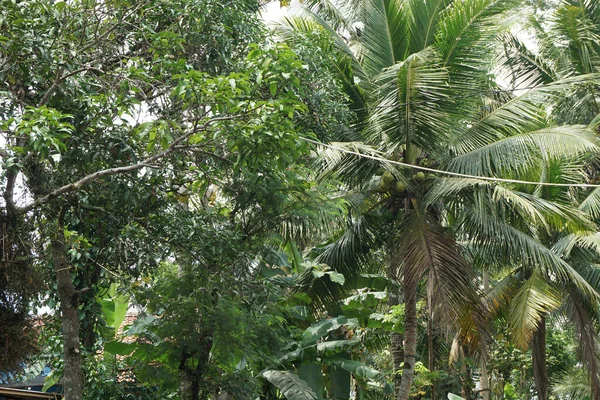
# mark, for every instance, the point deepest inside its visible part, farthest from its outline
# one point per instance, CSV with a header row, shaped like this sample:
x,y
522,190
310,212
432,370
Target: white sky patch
x,y
272,11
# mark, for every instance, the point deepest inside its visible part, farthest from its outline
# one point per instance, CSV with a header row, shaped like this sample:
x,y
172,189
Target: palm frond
x,y
352,169
526,69
583,320
351,249
339,15
500,239
424,20
342,59
384,39
524,113
325,293
520,151
573,385
532,301
500,295
591,204
464,33
589,240
424,246
591,273
408,110
572,24
531,209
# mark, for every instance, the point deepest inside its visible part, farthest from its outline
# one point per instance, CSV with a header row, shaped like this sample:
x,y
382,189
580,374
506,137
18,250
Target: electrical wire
x,y
450,173
465,96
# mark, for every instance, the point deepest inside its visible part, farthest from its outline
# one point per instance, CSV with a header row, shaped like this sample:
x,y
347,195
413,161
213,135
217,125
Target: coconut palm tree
x,y
528,293
568,45
418,76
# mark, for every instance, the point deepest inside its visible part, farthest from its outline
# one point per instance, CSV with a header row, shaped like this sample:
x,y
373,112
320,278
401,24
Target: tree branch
x,y
119,170
198,150
60,79
9,192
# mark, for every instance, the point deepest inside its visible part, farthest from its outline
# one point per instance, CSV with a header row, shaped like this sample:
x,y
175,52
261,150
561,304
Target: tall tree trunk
x,y
396,339
190,377
189,384
538,349
69,309
430,344
410,339
484,379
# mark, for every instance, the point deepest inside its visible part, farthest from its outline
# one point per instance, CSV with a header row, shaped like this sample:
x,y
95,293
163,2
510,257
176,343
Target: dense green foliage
x,y
205,208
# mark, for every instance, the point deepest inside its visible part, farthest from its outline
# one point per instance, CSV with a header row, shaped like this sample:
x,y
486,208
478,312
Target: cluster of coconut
x,y
388,182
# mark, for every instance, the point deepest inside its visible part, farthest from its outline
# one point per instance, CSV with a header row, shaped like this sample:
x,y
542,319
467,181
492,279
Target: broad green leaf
x,y
336,277
322,328
120,348
51,380
336,346
290,385
361,370
114,307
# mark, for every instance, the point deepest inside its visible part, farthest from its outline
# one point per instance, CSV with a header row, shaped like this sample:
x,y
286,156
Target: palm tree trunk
x,y
430,344
397,350
410,339
540,372
396,339
73,372
484,380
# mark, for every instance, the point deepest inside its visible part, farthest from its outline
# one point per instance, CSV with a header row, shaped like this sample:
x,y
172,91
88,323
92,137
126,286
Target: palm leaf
x,y
384,39
424,20
583,320
424,246
465,30
532,301
324,293
408,110
500,295
527,69
355,170
589,240
520,114
499,240
591,204
351,249
532,210
571,24
342,59
573,384
517,152
339,15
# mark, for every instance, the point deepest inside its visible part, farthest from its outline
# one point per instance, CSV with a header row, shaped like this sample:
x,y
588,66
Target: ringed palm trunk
x,y
396,339
426,247
540,372
430,344
484,379
410,338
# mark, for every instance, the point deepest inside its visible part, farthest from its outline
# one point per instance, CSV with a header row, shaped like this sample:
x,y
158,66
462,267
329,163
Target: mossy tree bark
x,y
73,377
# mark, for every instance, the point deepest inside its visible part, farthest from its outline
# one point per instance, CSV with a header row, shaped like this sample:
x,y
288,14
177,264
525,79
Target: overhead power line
x,y
451,98
449,173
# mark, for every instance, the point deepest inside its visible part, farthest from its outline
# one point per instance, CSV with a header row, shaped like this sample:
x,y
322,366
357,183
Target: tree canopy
x,y
362,200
